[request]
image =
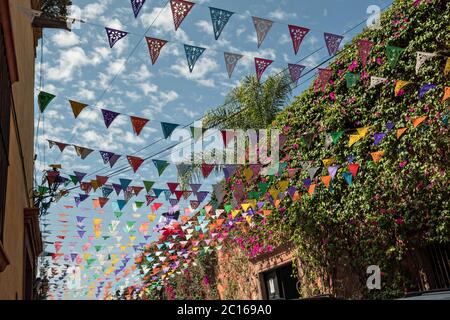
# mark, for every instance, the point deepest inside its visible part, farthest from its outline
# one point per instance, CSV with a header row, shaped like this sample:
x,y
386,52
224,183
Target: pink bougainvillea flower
x,y
332,96
353,65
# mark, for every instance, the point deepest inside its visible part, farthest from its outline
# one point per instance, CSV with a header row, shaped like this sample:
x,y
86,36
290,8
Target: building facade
x,y
20,238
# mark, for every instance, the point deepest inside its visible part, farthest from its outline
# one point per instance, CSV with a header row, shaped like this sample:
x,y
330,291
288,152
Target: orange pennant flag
x,y
400,132
311,189
267,212
326,180
417,121
376,156
296,196
446,94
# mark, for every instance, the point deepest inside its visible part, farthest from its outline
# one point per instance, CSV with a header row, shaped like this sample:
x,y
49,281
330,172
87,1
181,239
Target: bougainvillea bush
x,y
391,205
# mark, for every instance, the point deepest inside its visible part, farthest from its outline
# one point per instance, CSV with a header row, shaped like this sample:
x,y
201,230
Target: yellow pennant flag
x,y
151,217
400,132
77,107
399,85
97,234
132,238
248,218
252,203
97,221
376,156
94,184
353,139
447,67
362,131
248,173
245,206
446,94
326,180
274,193
328,162
234,213
417,121
283,185
311,189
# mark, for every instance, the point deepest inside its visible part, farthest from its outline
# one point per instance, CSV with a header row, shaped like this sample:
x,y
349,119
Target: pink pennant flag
x,y
154,47
323,79
261,66
297,36
135,162
295,70
180,9
364,47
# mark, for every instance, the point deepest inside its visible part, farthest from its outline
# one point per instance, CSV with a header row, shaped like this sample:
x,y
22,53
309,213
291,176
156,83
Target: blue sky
x,y
79,65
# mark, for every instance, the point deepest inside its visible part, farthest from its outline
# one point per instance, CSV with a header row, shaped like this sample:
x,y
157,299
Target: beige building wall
x,y
18,186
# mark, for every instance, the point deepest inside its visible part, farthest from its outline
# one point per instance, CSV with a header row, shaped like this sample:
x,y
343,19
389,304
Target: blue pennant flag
x,y
167,194
124,183
157,191
106,190
219,19
348,177
168,128
121,203
137,6
192,55
160,165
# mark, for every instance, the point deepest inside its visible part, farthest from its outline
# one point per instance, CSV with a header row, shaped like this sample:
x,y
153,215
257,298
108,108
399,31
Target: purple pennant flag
x,y
173,202
332,41
351,158
114,36
378,137
80,225
81,233
332,170
113,159
390,125
295,70
109,116
291,191
229,170
260,204
80,219
425,88
150,198
194,204
73,256
83,197
79,175
137,6
117,188
106,156
195,187
307,182
201,195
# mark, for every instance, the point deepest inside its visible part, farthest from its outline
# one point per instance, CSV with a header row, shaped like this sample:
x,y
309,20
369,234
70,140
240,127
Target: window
x,y
5,110
279,283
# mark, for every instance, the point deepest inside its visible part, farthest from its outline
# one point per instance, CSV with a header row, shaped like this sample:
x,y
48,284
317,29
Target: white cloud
x,y
200,73
163,23
65,39
204,26
69,62
279,14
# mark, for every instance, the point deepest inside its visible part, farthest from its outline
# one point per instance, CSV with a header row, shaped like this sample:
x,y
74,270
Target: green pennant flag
x,y
263,187
90,261
132,232
42,189
282,167
393,54
160,165
130,224
98,248
202,211
106,237
74,179
335,136
44,98
118,214
351,79
228,208
138,204
168,128
148,185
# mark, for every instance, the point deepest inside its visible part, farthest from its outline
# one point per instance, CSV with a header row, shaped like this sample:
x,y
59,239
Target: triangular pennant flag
x,y
219,20
138,124
137,6
447,67
107,190
114,36
378,137
421,58
124,183
332,170
79,175
295,71
376,156
102,201
262,27
77,107
326,181
351,79
374,81
229,170
353,167
160,165
168,128
297,35
44,98
332,42
417,121
172,186
328,162
348,178
121,203
362,131
399,86
148,185
180,9
154,47
106,155
446,94
400,132
353,139
135,162
335,136
231,59
364,47
183,168
113,159
82,152
261,66
101,180
312,172
393,54
323,79
109,116
192,55
207,169
425,88
311,189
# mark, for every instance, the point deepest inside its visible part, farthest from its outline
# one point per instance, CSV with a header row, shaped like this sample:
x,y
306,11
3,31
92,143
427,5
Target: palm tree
x,y
251,105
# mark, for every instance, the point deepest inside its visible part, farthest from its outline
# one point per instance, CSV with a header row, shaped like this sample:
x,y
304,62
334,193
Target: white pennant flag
x,y
374,81
421,58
